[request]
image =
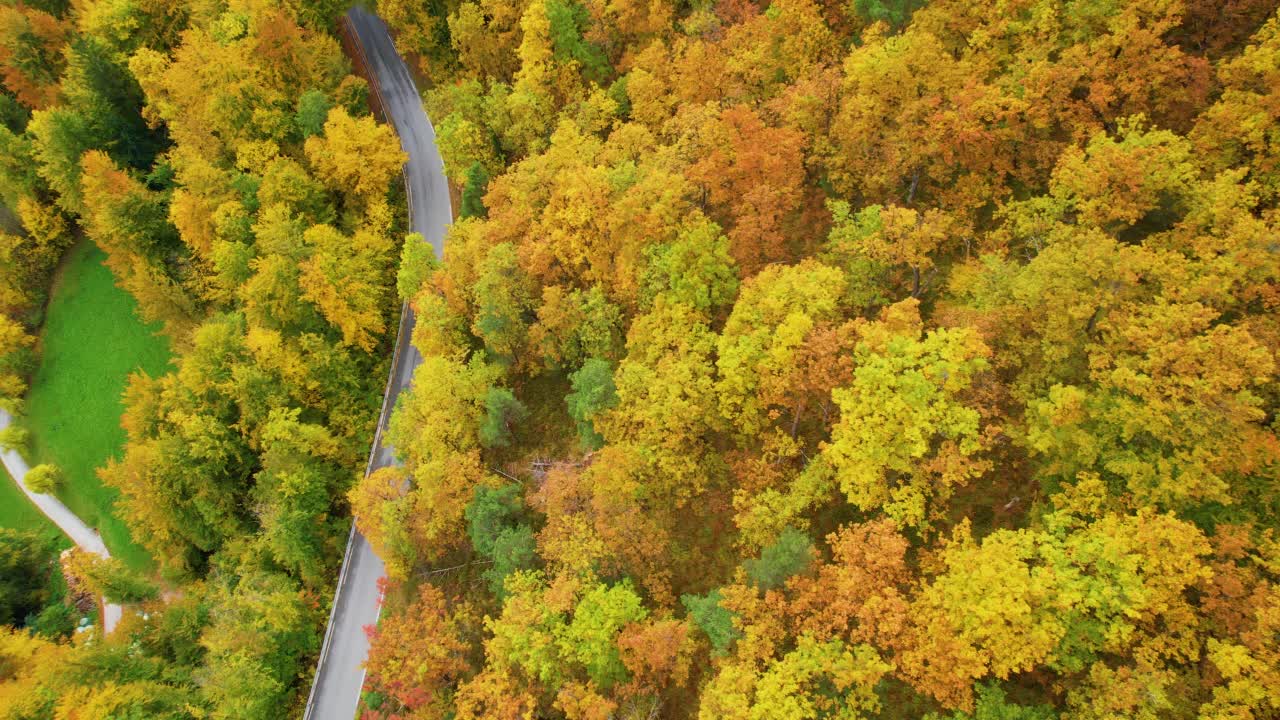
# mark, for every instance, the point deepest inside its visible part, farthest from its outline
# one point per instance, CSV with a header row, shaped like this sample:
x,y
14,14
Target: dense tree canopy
x,y
914,358
224,158
791,359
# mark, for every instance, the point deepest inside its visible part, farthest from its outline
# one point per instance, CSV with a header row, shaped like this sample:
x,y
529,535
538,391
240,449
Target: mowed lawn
x,y
18,513
92,340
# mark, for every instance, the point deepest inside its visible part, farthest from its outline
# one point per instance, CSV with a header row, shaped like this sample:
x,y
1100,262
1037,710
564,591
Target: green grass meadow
x,y
18,513
92,340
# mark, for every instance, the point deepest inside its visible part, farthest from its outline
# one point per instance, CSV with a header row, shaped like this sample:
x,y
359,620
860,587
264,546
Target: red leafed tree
x,y
417,656
656,653
753,175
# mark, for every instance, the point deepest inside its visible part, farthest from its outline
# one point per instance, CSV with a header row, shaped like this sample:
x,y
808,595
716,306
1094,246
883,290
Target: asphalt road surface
x,y
340,673
80,533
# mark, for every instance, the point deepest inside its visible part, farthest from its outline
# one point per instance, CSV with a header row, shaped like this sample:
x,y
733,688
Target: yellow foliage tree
x,y
355,155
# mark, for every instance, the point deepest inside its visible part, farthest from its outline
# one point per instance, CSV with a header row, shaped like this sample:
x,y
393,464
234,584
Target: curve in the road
x,y
335,693
75,528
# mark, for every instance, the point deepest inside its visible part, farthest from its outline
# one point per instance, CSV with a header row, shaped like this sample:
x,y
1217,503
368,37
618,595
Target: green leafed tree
x,y
45,478
473,192
503,413
791,554
514,549
715,621
417,263
313,110
590,638
695,270
504,302
490,513
26,562
569,20
593,392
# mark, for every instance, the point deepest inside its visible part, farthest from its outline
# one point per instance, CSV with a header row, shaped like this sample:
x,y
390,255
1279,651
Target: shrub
x,y
44,478
15,438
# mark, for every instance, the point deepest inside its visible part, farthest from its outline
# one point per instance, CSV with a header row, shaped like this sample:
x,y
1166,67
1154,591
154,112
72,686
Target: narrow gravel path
x,y
82,535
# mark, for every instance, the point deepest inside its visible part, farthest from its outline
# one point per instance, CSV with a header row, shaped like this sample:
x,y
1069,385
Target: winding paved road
x,y
340,673
75,528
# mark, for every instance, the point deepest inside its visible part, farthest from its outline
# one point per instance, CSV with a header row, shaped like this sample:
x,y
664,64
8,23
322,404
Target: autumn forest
x,y
789,360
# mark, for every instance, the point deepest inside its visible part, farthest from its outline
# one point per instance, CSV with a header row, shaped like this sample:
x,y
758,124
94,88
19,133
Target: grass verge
x,y
92,339
17,512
